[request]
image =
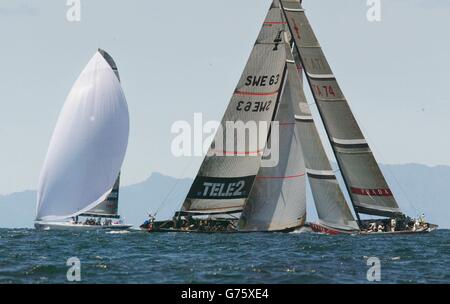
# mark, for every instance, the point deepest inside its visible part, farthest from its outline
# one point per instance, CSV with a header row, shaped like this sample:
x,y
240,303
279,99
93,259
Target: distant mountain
x,y
418,189
137,201
18,210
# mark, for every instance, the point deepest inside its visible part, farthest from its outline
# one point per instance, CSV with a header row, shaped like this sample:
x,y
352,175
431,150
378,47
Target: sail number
x,y
316,64
256,106
324,90
262,81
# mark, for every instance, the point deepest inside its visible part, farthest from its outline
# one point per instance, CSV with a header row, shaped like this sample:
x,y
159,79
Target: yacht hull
x,y
168,226
77,227
319,228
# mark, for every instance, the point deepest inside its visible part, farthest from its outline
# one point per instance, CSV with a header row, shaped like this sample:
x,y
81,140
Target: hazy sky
x,y
180,57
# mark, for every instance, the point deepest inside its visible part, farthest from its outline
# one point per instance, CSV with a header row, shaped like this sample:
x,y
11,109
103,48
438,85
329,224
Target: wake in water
x,y
302,230
118,232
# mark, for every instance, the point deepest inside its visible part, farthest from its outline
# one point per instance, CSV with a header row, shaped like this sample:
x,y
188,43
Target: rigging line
x,y
173,187
390,172
387,168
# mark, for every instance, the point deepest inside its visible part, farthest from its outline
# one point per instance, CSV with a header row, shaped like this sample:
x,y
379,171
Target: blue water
x,y
30,256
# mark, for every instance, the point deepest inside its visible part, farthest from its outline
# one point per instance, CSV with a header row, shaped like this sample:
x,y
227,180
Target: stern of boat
x,y
432,227
320,228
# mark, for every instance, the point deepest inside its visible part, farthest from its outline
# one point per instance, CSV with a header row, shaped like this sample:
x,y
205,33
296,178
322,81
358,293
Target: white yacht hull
x,y
40,225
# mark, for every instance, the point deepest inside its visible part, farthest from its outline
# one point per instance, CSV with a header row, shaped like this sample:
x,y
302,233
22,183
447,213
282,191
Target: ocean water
x,y
30,256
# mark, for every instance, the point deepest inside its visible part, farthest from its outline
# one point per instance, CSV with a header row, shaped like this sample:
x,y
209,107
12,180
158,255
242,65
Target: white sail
x,y
278,198
226,175
87,147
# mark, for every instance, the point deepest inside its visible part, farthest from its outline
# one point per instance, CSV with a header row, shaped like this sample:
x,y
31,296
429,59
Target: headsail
x,y
278,197
87,147
228,171
366,184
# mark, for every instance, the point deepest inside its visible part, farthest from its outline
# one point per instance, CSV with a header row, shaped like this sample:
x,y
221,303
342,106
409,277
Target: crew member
x,y
393,224
422,219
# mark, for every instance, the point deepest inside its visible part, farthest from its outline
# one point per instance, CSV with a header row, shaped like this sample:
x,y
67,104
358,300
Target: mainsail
x,y
228,171
87,147
332,209
110,206
278,198
366,184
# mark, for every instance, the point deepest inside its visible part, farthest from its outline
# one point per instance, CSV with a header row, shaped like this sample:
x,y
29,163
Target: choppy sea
x,y
31,256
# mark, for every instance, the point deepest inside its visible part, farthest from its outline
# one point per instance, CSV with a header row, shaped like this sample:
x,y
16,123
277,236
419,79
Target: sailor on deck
x,y
393,224
150,222
415,225
422,219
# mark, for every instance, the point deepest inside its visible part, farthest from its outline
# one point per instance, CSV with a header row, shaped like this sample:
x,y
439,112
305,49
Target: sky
x,y
177,58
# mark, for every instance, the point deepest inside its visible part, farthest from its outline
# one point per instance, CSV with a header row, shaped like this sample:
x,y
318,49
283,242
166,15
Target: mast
x,y
367,188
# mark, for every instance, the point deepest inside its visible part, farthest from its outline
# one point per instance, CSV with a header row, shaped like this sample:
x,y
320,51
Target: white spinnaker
x,y
110,206
87,147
